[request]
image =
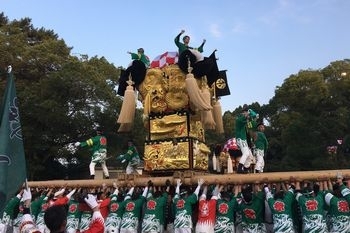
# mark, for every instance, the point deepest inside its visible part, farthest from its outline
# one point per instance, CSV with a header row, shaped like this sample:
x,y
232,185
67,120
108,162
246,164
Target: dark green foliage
x,y
62,99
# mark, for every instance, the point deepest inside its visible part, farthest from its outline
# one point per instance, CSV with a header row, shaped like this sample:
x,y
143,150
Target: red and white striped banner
x,y
167,58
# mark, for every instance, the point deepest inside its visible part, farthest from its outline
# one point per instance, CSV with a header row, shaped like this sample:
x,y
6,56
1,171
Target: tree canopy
x,y
62,98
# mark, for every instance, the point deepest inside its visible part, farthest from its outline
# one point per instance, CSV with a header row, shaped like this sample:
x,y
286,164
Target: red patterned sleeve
x,y
96,224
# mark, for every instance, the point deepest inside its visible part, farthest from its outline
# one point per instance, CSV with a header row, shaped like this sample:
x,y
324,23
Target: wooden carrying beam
x,y
191,178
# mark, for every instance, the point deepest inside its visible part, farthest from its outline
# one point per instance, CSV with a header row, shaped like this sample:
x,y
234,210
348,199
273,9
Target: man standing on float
x,y
241,138
98,146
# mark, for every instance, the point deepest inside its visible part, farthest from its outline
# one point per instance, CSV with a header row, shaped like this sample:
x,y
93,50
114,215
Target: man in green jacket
x,y
261,144
140,55
185,45
132,158
136,71
98,145
190,54
241,138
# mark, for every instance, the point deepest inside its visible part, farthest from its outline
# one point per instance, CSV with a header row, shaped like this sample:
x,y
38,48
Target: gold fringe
x,y
125,127
147,105
127,112
214,162
206,115
193,92
229,165
217,113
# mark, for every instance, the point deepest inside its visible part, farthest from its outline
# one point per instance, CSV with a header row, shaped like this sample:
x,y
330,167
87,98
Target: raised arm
x,y
177,38
178,185
145,190
97,221
216,191
200,48
130,192
27,223
200,183
204,192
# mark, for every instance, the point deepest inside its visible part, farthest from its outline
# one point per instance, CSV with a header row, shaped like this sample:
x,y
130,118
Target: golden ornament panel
x,y
167,155
168,126
200,155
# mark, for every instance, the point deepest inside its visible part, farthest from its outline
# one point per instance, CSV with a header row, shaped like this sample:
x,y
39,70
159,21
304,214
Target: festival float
x,y
181,100
179,105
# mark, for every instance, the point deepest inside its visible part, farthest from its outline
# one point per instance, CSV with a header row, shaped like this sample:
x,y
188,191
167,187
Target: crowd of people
x,y
289,207
294,206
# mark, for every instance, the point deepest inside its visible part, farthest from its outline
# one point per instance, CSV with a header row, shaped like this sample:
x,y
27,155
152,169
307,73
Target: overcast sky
x,y
259,43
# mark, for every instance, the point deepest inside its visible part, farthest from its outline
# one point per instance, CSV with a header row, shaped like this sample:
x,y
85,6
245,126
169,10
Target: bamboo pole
x,y
191,178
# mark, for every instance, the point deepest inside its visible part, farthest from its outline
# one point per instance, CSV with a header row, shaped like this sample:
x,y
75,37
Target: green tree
x,y
62,98
308,113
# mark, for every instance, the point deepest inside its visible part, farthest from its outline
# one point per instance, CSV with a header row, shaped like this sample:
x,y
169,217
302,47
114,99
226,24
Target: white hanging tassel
x,y
207,118
218,166
194,91
217,114
125,127
229,165
127,112
214,162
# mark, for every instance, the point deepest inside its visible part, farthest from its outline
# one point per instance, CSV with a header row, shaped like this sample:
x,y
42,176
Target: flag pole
x,y
12,158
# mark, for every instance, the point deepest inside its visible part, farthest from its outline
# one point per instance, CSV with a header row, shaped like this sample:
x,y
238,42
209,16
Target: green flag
x,y
12,160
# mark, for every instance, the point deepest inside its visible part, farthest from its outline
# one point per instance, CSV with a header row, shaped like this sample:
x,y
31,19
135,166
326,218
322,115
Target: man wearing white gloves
x,y
27,223
56,216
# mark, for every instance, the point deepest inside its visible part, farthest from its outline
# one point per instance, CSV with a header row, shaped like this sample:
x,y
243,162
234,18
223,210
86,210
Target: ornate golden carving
x,y
166,88
196,130
176,97
164,92
169,126
166,156
220,83
155,85
200,155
